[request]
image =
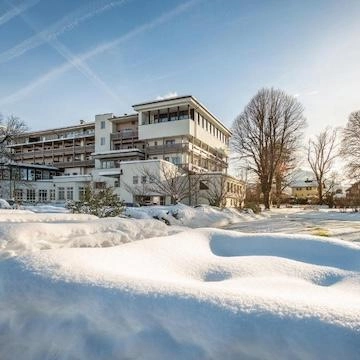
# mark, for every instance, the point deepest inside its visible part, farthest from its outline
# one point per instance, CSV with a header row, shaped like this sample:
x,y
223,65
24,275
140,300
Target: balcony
x,y
122,135
167,148
80,163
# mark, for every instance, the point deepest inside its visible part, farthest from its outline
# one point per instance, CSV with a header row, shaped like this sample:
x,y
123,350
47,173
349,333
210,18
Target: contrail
x,y
13,12
80,65
65,24
54,73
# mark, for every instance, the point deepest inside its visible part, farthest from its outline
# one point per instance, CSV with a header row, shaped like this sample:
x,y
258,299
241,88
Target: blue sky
x,y
66,60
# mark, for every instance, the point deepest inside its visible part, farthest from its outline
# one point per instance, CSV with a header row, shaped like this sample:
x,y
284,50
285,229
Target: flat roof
x,y
65,128
184,97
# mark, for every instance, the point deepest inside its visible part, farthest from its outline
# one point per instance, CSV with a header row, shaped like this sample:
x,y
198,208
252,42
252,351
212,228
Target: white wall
x,y
103,133
166,129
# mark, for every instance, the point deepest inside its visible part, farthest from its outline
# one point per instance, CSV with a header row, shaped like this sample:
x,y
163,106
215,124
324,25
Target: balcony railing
x,y
121,135
167,148
74,163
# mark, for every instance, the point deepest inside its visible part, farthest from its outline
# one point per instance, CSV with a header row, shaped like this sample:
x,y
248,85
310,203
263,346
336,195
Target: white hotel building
x,y
115,150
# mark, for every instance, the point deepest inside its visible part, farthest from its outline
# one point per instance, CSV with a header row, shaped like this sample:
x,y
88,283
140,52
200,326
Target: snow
x,y
79,287
4,204
202,216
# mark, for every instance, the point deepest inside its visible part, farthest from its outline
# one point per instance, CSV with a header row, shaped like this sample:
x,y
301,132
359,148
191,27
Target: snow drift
x,y
197,294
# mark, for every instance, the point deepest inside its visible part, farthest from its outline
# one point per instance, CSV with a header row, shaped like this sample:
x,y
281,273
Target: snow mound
x,y
23,232
4,204
180,214
198,294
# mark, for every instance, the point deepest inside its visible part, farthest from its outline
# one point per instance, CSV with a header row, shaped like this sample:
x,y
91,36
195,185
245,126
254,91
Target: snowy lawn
x,y
323,222
79,287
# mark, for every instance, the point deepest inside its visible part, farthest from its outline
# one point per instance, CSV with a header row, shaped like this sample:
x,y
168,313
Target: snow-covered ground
x,y
79,287
324,222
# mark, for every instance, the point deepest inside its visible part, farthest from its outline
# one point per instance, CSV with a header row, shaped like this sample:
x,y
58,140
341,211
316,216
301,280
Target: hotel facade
x,y
56,165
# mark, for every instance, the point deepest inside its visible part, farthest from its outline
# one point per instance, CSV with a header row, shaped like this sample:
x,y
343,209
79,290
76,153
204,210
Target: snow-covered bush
x,y
102,203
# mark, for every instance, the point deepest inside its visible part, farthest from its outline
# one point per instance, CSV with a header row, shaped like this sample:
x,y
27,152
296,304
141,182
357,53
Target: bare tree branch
x,y
321,154
350,145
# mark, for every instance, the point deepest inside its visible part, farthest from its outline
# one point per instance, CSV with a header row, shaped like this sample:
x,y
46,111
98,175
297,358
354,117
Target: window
x,y
102,141
18,194
30,195
81,193
61,193
175,160
102,125
135,179
42,195
170,142
52,194
70,193
203,185
143,179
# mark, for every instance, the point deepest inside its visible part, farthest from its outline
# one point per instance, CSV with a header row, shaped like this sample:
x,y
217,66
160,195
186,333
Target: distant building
x,y
353,194
305,189
115,150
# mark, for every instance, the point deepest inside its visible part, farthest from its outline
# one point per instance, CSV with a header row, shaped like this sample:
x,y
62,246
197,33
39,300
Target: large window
x,y
42,195
102,125
135,179
52,194
30,195
61,193
70,193
102,141
18,194
81,193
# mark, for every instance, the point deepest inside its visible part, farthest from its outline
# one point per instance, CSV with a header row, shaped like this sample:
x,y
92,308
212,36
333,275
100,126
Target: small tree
x,y
350,145
101,203
321,157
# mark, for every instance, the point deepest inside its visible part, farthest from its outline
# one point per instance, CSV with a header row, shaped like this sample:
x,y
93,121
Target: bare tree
x,y
138,191
215,190
350,145
321,155
172,181
270,126
10,128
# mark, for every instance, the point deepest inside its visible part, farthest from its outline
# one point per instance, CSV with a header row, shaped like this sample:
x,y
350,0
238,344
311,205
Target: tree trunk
x,y
320,193
266,194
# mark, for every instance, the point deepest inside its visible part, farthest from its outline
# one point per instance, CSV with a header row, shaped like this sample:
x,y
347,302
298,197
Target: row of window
x,y
47,195
212,129
234,188
144,179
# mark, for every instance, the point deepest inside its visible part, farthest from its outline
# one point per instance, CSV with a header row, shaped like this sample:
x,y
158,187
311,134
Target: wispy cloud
x,y
307,93
169,95
72,59
67,23
77,60
15,11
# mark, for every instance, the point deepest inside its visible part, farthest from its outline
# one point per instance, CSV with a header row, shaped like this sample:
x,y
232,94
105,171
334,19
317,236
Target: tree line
x,y
268,136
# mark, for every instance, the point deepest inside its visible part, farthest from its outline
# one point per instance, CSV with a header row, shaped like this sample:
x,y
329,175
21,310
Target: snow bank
x,y
199,294
180,214
4,204
46,208
21,231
